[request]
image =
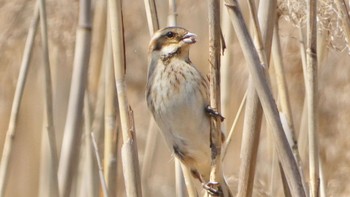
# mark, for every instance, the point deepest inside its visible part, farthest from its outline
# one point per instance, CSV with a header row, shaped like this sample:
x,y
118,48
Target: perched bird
x,y
177,95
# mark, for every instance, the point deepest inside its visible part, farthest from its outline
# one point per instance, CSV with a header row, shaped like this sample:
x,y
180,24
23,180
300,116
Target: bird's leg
x,y
213,113
211,186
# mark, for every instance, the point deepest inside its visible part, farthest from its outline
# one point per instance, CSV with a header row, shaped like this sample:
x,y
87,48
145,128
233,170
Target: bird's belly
x,y
181,117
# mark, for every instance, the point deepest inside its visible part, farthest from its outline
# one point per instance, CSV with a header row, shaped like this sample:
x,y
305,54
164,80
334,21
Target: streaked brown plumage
x,y
177,96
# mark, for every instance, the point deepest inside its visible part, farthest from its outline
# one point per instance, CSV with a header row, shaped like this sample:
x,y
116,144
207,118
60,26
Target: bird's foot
x,y
213,113
212,188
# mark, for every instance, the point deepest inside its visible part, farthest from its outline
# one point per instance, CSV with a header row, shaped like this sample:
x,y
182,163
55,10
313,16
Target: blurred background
x,y
62,16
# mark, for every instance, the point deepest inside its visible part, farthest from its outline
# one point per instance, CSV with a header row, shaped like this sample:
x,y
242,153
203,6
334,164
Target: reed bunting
x,y
177,95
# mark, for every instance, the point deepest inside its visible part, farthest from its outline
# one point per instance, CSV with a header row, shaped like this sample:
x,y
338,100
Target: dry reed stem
x,y
72,131
216,174
111,110
152,16
48,123
172,13
152,134
11,131
311,96
100,170
234,124
253,111
269,106
180,186
129,148
87,177
189,182
97,42
226,66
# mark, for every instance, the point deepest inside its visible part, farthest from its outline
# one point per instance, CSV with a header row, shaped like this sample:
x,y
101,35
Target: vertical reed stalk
x,y
110,134
99,164
129,148
72,131
48,125
216,174
152,16
269,106
87,177
97,45
11,131
311,96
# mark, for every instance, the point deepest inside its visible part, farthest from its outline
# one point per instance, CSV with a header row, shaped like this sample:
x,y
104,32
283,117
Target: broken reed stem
x,y
311,96
152,16
216,174
100,169
72,131
253,111
269,106
130,159
48,125
17,99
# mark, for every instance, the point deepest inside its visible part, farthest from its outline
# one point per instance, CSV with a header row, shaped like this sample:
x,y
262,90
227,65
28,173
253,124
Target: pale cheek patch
x,y
169,49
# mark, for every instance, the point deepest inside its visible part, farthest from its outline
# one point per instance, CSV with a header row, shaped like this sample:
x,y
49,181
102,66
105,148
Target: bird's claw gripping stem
x,y
213,113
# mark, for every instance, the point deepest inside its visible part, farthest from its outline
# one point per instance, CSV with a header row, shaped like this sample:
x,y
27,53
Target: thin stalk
x,y
172,14
262,87
191,188
130,159
110,134
281,82
97,45
100,170
226,67
234,124
311,96
253,111
87,164
152,16
152,134
180,186
72,131
48,126
150,148
216,174
11,131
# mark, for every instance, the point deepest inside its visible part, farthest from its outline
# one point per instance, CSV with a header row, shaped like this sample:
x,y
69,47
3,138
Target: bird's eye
x,y
170,34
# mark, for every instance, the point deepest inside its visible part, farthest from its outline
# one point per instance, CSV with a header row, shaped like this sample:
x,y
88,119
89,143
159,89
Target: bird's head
x,y
172,41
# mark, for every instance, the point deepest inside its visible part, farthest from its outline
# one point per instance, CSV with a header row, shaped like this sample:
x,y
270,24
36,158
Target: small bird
x,y
177,96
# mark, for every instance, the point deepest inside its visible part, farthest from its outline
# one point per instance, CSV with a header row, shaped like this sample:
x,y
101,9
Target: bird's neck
x,y
180,53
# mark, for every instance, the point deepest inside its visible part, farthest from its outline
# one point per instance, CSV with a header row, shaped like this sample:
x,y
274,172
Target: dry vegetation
x,y
29,168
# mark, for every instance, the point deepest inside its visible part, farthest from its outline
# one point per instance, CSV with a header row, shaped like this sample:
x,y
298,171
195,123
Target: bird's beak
x,y
189,38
